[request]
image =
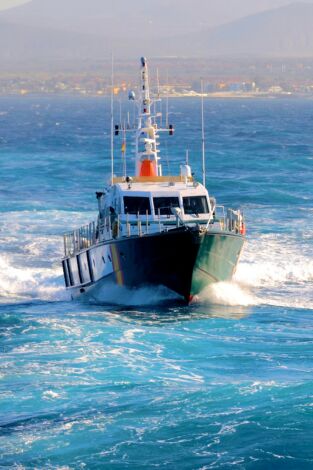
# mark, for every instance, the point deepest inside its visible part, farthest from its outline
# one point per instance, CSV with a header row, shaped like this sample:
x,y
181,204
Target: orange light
x,y
147,168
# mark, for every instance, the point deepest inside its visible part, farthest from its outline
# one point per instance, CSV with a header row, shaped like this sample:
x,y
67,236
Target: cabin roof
x,y
154,179
165,188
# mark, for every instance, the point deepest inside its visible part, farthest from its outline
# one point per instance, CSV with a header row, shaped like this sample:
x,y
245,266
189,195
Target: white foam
x,y
275,269
270,260
144,296
50,395
228,293
278,269
30,259
30,282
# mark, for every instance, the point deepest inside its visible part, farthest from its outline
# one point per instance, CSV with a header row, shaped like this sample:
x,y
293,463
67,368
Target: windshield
x,y
196,205
163,205
135,205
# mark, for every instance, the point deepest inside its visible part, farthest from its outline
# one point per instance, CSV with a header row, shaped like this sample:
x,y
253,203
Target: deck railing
x,y
229,220
84,237
223,220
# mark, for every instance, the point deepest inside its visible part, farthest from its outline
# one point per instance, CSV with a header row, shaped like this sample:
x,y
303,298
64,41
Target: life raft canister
x,y
147,168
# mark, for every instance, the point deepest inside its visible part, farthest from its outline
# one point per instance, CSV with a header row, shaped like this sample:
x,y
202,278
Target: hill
x,y
112,18
22,43
283,32
33,32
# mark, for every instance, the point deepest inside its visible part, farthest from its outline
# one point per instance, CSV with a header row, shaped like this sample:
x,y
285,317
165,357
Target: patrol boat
x,y
153,230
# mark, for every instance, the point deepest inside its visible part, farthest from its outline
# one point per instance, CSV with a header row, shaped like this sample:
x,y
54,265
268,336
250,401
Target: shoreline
x,y
216,95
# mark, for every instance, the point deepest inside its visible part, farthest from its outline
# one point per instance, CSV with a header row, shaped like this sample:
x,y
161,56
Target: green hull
x,y
216,259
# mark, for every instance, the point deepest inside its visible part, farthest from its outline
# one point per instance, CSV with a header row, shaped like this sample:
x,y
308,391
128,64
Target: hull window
x,y
92,278
82,263
65,271
70,274
81,278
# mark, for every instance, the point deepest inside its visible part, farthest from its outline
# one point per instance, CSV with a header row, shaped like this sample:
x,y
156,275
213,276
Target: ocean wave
x,y
278,269
275,269
29,283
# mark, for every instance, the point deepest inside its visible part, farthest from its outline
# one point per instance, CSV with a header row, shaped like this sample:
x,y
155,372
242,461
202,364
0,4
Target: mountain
x,y
125,18
122,18
36,31
283,32
27,43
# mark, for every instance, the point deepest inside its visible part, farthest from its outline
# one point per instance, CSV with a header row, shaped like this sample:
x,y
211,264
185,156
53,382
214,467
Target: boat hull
x,y
216,260
185,260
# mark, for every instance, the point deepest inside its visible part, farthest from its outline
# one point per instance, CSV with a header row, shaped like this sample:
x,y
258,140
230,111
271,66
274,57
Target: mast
x,y
112,118
124,150
146,136
166,110
202,136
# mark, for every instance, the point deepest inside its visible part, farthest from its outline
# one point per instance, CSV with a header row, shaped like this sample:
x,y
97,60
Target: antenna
x,y
158,97
203,136
124,150
112,118
158,83
120,103
166,112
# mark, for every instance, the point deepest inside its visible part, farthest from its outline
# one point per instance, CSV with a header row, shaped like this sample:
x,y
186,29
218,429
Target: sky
x,y
217,6
220,11
5,4
72,28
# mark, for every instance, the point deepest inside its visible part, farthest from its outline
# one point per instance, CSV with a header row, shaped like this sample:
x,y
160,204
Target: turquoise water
x,y
143,381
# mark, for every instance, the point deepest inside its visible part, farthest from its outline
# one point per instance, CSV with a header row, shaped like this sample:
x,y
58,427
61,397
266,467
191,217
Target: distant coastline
x,y
223,78
216,95
234,95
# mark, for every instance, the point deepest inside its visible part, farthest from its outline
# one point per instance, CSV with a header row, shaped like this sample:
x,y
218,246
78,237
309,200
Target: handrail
x,y
88,235
77,240
231,221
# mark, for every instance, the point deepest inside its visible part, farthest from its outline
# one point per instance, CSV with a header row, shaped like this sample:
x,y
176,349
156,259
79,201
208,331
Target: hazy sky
x,y
4,4
221,11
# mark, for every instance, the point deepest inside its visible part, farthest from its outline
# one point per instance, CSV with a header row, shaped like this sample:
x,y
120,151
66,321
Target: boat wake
x,y
21,283
278,271
228,293
274,270
30,268
143,296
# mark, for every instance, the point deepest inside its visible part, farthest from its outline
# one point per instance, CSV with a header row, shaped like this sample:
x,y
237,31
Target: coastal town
x,y
221,79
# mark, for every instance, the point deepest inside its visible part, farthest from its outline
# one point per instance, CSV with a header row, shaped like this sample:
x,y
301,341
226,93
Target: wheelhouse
x,y
189,202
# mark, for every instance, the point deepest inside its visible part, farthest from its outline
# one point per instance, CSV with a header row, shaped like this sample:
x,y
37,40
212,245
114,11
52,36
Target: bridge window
x,y
196,205
135,205
165,204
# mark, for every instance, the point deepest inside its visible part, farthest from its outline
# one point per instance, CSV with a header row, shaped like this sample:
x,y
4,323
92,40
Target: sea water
x,y
141,380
